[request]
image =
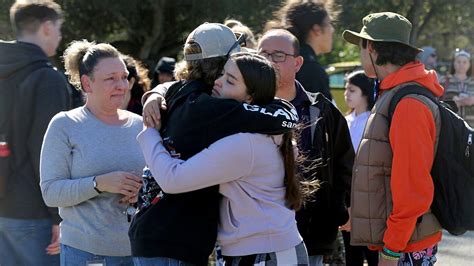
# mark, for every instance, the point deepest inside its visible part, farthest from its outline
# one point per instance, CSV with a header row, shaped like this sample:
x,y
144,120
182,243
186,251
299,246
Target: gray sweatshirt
x,y
77,147
250,171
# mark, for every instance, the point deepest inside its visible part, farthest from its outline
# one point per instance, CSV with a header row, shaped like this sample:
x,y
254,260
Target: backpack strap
x,y
9,91
414,90
409,90
28,69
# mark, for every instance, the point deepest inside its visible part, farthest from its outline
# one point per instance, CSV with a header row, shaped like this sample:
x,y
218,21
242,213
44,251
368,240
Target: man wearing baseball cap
x,y
392,189
163,71
182,228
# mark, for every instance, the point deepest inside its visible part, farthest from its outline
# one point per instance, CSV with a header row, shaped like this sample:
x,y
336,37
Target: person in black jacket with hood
x,y
324,140
182,228
31,93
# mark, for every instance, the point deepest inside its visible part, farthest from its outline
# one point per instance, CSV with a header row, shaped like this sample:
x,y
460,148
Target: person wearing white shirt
x,y
359,97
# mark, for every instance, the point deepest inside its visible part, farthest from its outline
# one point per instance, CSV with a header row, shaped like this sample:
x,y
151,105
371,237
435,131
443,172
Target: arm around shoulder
x,y
160,89
225,160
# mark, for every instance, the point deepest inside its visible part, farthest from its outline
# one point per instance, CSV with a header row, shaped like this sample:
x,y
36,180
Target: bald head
x,y
282,48
284,34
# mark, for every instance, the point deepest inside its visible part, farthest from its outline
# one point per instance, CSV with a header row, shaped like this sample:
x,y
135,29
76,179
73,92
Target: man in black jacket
x,y
29,231
325,142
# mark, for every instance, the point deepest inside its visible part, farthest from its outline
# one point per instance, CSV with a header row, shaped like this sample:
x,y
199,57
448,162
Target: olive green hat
x,y
382,27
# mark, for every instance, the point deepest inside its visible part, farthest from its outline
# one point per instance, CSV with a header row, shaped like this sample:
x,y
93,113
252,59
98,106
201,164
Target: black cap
x,y
166,65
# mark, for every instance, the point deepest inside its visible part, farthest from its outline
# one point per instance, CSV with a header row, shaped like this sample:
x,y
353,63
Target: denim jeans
x,y
75,257
24,242
297,255
316,260
159,261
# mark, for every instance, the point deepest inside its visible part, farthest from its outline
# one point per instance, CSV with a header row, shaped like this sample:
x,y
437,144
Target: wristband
x,y
391,253
387,257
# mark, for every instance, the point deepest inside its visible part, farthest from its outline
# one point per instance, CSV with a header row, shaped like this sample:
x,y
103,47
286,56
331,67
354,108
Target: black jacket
x,y
184,226
319,220
36,99
312,75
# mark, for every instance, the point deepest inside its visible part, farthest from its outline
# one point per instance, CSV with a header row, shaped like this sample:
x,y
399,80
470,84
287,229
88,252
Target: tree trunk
x,y
156,30
414,17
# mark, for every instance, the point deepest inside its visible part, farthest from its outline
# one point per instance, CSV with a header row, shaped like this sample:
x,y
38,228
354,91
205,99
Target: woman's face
x,y
231,84
108,84
353,96
325,37
461,64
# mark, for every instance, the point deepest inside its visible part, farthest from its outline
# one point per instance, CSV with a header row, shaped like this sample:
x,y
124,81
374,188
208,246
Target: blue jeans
x,y
75,257
158,261
24,242
316,260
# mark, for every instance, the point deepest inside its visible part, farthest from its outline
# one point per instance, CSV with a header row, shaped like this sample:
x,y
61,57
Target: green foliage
x,y
438,23
338,95
6,32
149,29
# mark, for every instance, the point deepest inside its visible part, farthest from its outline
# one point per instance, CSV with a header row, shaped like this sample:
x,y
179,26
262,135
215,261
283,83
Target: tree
x,y
5,29
147,29
438,23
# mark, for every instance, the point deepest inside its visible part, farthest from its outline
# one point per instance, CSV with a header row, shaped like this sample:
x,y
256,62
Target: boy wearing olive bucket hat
x,y
392,188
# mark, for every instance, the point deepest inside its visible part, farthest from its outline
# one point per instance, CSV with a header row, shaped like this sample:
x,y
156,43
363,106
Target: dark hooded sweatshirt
x,y
38,96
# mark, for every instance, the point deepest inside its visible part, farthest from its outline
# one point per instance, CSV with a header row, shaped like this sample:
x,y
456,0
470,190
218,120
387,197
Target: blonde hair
x,y
238,27
81,57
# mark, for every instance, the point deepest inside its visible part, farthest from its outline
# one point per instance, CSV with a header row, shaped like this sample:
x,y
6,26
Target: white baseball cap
x,y
214,39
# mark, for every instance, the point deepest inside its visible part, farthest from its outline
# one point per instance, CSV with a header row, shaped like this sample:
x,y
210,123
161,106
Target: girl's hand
x,y
128,200
151,110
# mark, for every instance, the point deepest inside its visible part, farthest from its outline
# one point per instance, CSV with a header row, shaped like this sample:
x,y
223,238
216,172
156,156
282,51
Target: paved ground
x,y
456,250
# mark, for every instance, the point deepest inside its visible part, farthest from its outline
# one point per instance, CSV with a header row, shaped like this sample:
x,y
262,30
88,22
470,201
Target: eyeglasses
x,y
277,57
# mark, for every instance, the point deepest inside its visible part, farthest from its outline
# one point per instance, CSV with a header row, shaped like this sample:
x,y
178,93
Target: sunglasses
x,y
240,40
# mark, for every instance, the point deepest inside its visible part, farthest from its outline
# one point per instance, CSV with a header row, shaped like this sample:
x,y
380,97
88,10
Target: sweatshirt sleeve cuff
x,y
148,134
55,218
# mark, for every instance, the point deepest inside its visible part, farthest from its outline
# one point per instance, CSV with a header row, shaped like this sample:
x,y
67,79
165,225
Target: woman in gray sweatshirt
x,y
255,172
90,160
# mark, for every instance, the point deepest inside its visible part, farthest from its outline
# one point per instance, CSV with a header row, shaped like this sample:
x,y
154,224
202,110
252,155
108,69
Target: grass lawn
x,y
338,95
